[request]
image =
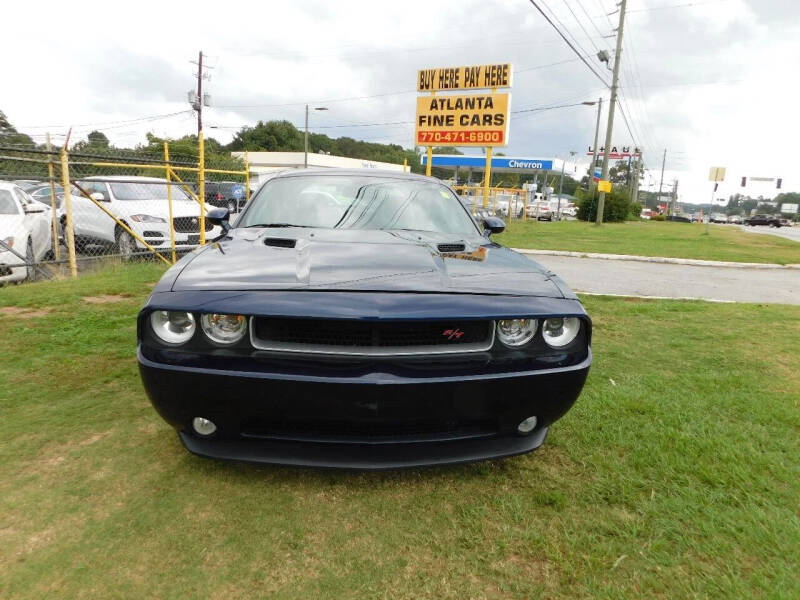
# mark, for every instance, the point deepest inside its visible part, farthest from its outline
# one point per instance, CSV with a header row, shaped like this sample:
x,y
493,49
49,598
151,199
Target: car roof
x,y
7,185
378,173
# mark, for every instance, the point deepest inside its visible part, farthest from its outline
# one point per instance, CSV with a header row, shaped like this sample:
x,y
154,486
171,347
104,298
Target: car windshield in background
x,y
353,202
146,191
7,204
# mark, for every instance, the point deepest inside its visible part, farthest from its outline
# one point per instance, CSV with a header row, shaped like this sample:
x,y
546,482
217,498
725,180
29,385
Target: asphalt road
x,y
790,233
630,278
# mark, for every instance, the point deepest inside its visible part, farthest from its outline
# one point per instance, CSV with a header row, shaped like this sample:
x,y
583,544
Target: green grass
x,y
651,238
675,475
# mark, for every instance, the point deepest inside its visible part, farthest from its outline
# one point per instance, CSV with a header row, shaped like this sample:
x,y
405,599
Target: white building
x,y
267,162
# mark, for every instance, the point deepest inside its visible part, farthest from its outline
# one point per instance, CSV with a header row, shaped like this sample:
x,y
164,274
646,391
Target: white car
x,y
141,203
25,233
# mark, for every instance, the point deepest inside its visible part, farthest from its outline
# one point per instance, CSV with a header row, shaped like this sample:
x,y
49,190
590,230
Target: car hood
x,y
12,225
360,260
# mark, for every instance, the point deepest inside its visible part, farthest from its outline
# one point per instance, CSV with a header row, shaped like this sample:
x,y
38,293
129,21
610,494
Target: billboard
x,y
464,78
473,120
789,208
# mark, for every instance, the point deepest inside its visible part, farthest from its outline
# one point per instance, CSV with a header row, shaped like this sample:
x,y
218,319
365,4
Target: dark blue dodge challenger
x,y
361,319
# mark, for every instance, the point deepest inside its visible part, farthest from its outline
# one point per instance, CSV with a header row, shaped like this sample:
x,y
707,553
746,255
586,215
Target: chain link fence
x,y
64,212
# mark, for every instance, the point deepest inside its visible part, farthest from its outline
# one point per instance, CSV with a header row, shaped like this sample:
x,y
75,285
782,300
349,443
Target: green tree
x,y
617,206
10,136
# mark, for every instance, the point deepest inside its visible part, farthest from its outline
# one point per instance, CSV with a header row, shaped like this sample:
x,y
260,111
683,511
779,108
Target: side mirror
x,y
221,217
100,197
493,225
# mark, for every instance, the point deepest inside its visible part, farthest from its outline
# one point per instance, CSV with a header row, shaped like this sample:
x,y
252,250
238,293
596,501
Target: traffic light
x,y
744,181
780,181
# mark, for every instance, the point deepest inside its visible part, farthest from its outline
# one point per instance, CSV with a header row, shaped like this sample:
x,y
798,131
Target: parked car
x,y
735,219
381,330
680,218
763,219
226,194
718,218
541,210
24,231
140,203
785,222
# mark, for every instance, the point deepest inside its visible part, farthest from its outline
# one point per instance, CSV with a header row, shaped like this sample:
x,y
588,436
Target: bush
x,y
658,218
616,208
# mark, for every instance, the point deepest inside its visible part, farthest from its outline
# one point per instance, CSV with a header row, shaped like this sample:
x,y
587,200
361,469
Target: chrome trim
x,y
369,350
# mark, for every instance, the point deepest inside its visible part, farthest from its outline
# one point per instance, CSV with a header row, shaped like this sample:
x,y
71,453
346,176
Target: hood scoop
x,y
280,242
451,248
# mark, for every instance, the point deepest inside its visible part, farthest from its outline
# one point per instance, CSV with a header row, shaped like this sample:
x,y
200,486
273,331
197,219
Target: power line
x,y
149,118
577,20
596,74
687,5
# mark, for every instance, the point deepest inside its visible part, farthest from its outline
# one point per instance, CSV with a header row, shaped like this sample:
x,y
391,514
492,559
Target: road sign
x,y
716,174
789,208
604,186
474,120
464,78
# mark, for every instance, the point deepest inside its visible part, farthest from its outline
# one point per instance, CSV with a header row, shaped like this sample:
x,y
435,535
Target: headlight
x,y
147,219
9,241
516,332
172,327
224,329
559,332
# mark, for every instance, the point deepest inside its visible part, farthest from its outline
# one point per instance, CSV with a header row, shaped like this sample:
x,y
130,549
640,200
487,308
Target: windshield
x,y
7,204
358,202
147,191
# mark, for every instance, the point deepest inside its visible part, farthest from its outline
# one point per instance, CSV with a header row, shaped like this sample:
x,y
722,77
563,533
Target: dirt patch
x,y
25,313
105,299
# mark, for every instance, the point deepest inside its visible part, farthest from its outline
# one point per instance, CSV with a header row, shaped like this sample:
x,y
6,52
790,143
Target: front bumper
x,y
263,417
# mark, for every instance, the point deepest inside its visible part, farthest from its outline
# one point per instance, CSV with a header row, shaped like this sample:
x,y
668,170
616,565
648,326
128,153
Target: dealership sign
x,y
789,208
464,78
474,120
617,152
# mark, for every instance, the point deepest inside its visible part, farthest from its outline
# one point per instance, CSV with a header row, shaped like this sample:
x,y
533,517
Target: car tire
x,y
126,246
30,269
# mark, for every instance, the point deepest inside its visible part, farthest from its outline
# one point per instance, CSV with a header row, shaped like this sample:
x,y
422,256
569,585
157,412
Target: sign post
x,y
464,120
715,174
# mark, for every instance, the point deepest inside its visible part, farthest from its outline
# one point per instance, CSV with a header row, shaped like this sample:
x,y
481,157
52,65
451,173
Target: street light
x,y
305,143
561,182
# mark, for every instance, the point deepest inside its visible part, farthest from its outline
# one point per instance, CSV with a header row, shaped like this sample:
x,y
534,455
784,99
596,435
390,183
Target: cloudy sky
x,y
712,81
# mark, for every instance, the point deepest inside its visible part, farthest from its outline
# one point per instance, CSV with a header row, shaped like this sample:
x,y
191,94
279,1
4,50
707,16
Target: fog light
x,y
527,425
205,427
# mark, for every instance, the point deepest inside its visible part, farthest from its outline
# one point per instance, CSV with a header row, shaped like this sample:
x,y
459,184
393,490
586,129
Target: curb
x,y
658,259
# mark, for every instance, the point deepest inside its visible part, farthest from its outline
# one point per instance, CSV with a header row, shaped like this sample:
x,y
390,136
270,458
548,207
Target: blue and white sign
x,y
598,172
499,162
238,191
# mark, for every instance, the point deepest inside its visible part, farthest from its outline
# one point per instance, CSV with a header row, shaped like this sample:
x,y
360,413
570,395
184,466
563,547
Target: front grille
x,y
355,431
371,338
189,224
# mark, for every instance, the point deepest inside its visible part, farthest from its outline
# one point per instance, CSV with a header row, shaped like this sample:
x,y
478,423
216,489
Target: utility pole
x,y
611,104
199,94
561,185
661,184
305,142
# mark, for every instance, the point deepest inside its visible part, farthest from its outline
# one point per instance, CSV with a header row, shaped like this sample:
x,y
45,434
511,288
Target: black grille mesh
x,y
451,247
362,334
189,224
322,429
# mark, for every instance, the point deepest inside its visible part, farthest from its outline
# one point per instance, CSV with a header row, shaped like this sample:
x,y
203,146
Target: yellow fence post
x,y
201,185
428,162
169,201
405,165
73,265
53,204
487,176
246,180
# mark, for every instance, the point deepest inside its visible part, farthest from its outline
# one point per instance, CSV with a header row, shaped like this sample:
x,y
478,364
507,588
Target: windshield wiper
x,y
276,225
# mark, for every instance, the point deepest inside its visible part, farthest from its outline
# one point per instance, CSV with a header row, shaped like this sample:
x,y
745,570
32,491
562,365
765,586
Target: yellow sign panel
x,y
716,174
475,120
464,78
604,186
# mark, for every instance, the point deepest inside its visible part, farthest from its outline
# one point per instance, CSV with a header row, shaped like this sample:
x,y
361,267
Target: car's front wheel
x,y
125,244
